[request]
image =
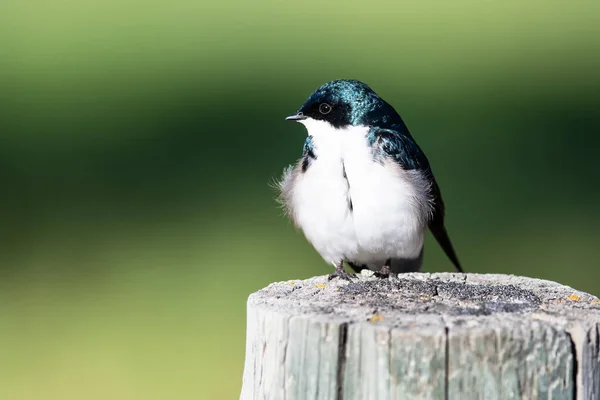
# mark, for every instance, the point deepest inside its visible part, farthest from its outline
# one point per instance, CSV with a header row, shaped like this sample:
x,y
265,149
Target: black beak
x,y
296,117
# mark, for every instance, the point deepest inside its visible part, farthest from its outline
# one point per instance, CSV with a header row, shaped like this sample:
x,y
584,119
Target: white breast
x,y
387,217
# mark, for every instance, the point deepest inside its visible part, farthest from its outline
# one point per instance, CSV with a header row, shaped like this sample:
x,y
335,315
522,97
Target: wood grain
x,y
422,336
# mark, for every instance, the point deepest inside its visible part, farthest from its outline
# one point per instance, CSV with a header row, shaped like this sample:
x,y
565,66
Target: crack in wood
x,y
341,361
430,342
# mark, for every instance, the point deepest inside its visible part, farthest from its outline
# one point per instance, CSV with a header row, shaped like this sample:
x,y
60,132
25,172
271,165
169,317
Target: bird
x,y
363,192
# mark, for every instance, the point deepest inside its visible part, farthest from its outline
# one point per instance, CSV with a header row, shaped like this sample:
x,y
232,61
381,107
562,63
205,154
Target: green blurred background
x,y
138,140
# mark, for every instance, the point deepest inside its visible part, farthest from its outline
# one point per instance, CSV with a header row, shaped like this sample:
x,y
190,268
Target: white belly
x,y
387,217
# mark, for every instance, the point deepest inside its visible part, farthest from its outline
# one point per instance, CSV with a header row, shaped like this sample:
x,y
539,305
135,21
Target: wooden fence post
x,y
422,336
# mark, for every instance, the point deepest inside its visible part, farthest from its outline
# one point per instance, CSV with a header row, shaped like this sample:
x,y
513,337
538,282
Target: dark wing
x,y
402,148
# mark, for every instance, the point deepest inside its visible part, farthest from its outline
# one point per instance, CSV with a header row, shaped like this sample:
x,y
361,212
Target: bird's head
x,y
344,103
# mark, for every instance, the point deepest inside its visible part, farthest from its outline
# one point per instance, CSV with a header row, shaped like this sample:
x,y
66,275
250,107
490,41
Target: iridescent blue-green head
x,y
349,102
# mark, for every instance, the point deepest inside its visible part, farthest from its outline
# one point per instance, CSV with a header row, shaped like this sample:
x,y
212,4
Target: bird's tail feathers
x,y
440,234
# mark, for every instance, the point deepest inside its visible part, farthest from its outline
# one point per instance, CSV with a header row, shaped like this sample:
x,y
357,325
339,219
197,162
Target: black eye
x,y
324,108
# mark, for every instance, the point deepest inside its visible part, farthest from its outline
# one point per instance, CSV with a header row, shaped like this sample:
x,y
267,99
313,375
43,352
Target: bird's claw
x,y
385,272
385,275
341,275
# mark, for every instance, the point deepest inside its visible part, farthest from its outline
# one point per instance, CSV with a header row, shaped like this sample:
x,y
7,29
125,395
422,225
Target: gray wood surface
x,y
422,336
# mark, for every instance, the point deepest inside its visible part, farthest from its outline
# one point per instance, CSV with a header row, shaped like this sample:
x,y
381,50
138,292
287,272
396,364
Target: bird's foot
x,y
341,273
385,271
384,275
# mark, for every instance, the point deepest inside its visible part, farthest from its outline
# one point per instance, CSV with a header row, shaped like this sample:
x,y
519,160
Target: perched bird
x,y
363,191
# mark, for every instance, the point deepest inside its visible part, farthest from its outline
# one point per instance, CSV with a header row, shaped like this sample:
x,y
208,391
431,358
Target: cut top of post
x,y
451,296
422,336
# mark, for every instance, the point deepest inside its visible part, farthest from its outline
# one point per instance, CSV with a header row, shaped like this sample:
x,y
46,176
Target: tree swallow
x,y
363,191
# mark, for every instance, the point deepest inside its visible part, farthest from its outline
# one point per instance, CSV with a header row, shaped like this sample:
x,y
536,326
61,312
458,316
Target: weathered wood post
x,y
422,336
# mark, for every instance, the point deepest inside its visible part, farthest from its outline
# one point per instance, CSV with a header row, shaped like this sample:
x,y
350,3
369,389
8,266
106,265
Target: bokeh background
x,y
138,140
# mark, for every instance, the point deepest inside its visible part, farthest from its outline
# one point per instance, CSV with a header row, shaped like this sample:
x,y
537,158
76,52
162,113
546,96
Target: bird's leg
x,y
340,273
385,271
